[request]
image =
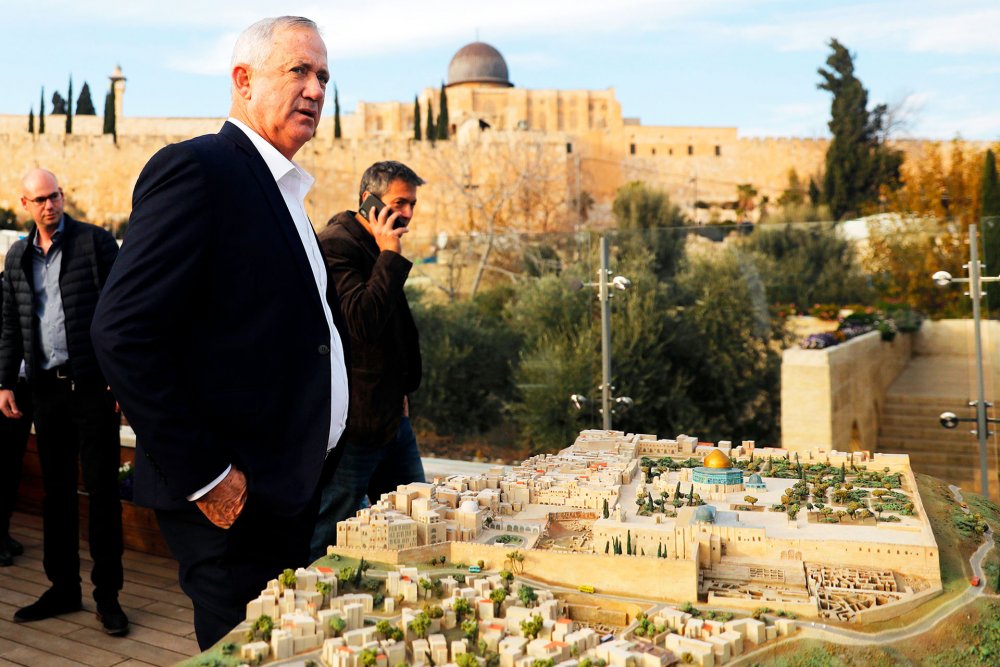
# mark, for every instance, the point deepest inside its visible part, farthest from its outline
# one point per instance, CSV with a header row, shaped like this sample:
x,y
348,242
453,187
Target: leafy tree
x,y
58,103
85,105
469,354
527,596
443,124
750,500
989,192
462,607
368,657
531,627
8,219
41,113
470,628
261,629
420,624
69,108
807,264
858,162
337,625
498,595
648,219
287,579
336,113
416,119
466,660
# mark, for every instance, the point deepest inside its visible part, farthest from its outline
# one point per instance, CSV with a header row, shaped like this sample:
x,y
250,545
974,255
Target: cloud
x,y
532,60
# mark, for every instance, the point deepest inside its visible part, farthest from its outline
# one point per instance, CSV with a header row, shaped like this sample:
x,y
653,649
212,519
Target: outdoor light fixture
x,y
950,419
941,278
604,296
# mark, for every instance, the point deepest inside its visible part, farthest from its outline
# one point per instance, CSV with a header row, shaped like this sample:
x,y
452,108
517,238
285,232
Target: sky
x,y
744,63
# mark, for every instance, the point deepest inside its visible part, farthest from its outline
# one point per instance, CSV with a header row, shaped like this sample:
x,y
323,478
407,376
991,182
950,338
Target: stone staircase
x,y
908,423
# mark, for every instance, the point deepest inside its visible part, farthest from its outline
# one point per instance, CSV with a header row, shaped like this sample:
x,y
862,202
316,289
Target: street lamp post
x,y
604,295
948,419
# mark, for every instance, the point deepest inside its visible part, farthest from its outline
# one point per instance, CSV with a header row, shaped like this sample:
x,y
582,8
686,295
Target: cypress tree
x,y
605,511
628,545
336,114
417,137
430,122
69,108
607,546
442,124
31,121
990,190
41,113
85,105
858,163
109,112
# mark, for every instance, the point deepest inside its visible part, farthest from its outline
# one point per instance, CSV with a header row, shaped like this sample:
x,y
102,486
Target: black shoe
x,y
8,543
112,618
52,603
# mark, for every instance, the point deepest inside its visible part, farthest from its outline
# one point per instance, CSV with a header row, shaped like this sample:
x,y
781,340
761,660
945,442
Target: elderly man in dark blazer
x,y
219,330
365,256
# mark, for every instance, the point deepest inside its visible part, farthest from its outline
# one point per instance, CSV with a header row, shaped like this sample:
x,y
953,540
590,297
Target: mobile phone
x,y
373,202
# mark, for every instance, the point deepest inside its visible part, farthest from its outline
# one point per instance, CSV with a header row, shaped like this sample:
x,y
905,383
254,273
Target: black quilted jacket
x,y
87,255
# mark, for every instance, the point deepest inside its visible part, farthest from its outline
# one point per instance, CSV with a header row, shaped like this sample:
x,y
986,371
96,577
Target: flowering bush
x,y
125,480
825,311
858,323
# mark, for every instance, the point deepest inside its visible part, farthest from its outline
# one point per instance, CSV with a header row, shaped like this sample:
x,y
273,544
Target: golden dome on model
x,y
717,459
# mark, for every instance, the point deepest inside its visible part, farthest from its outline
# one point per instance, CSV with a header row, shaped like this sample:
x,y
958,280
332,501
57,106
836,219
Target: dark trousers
x,y
221,570
365,469
78,422
13,440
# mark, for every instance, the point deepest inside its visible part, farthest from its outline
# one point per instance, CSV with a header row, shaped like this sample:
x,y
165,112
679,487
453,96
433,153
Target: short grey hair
x,y
253,46
377,177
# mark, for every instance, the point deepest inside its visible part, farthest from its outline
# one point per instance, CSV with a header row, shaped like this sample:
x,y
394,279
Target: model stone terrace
x,y
824,534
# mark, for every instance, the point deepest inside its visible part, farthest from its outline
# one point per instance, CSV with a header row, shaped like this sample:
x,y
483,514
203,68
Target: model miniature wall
x,y
831,398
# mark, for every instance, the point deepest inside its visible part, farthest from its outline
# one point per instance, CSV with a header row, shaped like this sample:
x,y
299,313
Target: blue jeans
x,y
365,471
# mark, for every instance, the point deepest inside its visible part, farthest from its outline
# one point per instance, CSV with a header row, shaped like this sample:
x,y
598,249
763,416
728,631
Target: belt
x,y
63,372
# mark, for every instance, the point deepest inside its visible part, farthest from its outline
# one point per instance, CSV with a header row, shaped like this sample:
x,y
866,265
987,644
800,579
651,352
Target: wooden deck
x,y
161,633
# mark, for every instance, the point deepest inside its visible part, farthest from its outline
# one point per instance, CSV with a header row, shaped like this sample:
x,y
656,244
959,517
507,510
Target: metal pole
x,y
605,335
975,291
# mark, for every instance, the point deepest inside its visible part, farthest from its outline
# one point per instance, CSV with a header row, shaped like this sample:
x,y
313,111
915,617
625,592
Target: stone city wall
x,y
649,577
897,609
806,609
831,398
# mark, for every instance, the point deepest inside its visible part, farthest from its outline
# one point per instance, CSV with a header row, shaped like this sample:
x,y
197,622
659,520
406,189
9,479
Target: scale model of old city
x,y
623,549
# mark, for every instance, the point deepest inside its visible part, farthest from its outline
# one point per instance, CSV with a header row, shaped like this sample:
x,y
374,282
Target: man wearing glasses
x,y
50,288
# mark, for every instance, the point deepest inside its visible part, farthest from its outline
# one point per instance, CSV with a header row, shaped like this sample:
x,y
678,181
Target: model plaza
x,y
822,535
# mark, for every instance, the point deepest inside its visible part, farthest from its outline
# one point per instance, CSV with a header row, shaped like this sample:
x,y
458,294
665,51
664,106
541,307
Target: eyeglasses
x,y
40,201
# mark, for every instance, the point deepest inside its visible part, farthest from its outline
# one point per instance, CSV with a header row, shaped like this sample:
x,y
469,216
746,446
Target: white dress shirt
x,y
294,183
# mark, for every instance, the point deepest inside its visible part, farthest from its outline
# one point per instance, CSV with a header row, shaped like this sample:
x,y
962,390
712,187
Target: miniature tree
x,y
531,627
750,500
337,625
878,508
462,607
383,628
434,611
543,662
426,585
345,575
368,657
420,624
506,576
261,629
470,628
628,544
324,588
287,579
604,511
481,564
466,660
498,595
527,596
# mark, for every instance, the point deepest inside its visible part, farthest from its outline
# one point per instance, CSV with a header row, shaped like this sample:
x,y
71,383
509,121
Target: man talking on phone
x,y
364,253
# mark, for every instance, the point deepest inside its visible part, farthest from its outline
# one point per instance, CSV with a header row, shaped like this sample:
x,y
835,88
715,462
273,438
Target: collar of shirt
x,y
282,169
56,235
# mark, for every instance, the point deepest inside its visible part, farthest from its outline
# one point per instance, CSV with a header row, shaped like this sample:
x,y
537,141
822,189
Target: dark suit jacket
x,y
211,331
385,348
87,254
